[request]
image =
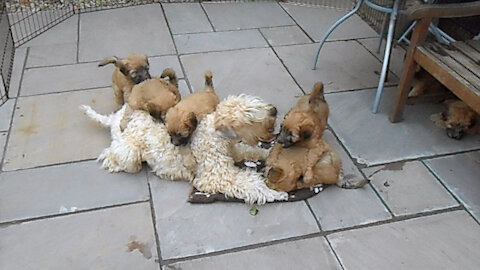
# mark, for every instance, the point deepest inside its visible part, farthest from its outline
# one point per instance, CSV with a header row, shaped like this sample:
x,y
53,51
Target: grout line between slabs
x,y
208,17
50,165
78,38
190,89
281,61
154,221
9,132
295,21
444,185
67,91
308,236
49,216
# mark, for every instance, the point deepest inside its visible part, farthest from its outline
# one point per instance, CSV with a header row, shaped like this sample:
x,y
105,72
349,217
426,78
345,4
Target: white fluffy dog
x,y
223,137
143,140
215,145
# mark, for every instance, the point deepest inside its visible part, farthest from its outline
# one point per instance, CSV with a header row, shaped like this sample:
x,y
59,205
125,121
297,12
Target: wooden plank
x,y
474,44
418,11
418,36
464,65
449,78
468,50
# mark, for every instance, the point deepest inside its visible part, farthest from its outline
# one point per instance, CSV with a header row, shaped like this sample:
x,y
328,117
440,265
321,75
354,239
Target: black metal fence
x,y
7,53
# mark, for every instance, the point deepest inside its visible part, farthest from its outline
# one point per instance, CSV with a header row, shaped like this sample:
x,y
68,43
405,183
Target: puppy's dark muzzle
x,y
180,141
455,133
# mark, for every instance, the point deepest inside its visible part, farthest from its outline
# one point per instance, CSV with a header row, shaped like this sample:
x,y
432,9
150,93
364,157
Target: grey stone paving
x,y
236,16
444,241
66,188
409,188
316,20
60,210
123,31
371,138
192,229
44,132
303,254
396,58
219,41
460,174
338,61
285,35
117,238
186,18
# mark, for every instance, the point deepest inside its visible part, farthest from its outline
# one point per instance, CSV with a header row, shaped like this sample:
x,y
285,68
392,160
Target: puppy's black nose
x,y
454,133
273,112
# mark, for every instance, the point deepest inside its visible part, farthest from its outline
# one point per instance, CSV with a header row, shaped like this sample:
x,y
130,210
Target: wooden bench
x,y
456,66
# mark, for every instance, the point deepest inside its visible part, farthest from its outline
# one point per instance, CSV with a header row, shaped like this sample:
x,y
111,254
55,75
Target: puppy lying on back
x,y
457,120
307,120
155,96
182,119
298,167
129,71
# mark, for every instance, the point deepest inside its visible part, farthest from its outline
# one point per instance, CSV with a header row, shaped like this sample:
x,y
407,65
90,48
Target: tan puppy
x,y
458,119
155,96
306,121
129,71
298,167
182,119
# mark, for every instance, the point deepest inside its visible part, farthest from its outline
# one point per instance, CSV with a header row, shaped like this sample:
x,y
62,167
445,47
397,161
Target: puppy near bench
x,y
129,71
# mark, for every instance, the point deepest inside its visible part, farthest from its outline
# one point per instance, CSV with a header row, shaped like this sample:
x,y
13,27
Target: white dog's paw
x,y
85,108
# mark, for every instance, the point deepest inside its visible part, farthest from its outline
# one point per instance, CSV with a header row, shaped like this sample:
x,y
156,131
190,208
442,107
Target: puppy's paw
x,y
352,184
85,108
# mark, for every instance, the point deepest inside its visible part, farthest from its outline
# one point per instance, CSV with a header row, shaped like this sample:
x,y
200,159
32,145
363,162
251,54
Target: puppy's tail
x,y
209,81
170,73
317,94
109,60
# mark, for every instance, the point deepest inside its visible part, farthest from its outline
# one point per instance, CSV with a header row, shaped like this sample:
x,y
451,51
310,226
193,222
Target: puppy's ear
x,y
109,60
273,112
226,132
192,120
122,66
317,94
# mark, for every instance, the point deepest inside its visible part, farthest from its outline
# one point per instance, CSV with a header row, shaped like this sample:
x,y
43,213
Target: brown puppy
x,y
457,119
299,167
155,96
306,121
129,71
182,119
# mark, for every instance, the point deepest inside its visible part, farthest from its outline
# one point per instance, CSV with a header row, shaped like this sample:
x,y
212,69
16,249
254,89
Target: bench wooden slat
x,y
468,50
448,77
475,44
472,71
454,65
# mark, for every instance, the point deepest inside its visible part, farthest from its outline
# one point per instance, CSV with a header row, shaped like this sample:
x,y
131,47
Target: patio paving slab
x,y
241,15
396,58
219,41
6,110
305,254
159,63
122,31
45,133
66,188
3,141
342,65
337,208
316,21
285,35
115,238
186,229
445,241
52,54
460,173
409,188
251,71
65,78
186,18
64,32
372,139
17,71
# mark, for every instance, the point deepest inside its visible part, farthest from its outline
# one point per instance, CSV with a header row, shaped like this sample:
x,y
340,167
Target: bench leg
x,y
418,36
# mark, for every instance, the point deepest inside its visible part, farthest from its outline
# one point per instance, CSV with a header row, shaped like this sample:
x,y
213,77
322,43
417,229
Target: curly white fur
x,y
216,171
142,140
